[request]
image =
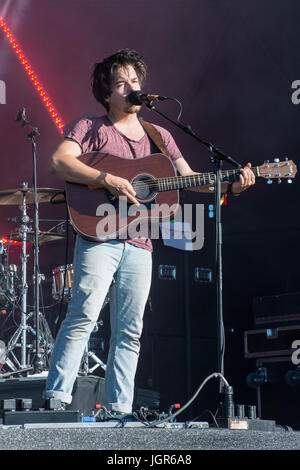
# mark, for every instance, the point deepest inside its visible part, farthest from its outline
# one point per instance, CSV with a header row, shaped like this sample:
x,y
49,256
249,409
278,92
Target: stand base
x,y
16,372
255,424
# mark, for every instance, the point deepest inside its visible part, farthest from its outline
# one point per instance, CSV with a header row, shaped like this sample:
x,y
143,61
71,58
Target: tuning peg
x,y
269,181
289,181
279,180
267,162
286,158
276,160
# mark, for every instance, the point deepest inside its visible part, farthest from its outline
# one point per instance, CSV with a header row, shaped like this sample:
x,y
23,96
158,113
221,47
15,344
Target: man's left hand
x,y
245,181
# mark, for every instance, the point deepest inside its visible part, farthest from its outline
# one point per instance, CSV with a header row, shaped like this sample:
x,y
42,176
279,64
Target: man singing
x,y
123,266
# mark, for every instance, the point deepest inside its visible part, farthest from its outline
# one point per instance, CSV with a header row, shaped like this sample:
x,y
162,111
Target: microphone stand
x,y
38,362
217,158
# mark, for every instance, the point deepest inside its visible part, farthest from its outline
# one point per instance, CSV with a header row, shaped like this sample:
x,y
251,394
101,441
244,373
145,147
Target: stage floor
x,y
96,436
22,433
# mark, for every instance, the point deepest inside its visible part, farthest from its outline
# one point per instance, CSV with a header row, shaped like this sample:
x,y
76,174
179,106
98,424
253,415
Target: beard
x,y
133,109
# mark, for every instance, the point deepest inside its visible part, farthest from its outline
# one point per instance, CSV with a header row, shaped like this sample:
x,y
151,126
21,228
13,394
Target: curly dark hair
x,y
103,72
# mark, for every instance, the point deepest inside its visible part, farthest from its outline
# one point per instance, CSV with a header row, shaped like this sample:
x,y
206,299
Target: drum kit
x,y
14,287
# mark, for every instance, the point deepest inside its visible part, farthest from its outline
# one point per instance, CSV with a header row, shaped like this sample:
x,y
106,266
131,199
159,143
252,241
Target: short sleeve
x,y
169,143
82,132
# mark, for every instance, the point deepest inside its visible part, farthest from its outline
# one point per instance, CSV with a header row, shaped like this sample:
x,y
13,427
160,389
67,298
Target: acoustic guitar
x,y
98,216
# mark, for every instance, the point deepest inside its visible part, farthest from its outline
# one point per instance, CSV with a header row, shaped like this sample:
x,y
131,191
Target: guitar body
x,y
97,216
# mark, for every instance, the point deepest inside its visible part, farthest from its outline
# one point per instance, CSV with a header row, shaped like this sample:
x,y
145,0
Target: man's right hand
x,y
65,165
119,187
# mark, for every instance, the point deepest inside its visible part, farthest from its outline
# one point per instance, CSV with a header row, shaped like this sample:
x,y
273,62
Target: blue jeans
x,y
96,265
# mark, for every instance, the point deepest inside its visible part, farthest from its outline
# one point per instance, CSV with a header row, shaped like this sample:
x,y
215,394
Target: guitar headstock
x,y
278,169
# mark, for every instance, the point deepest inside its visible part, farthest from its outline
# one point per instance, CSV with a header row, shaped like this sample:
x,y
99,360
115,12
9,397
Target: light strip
x,y
33,76
5,241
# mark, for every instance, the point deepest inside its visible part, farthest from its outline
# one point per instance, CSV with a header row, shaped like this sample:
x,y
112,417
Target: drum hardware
x,y
9,276
2,353
23,196
46,339
21,331
8,284
85,368
61,227
24,228
45,342
14,197
34,195
44,237
62,283
38,361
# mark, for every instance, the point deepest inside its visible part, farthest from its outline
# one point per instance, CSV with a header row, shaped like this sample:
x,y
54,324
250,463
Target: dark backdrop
x,y
232,65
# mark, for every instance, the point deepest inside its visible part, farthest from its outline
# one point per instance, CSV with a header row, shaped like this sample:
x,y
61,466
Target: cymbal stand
x,y
45,337
24,289
38,362
22,329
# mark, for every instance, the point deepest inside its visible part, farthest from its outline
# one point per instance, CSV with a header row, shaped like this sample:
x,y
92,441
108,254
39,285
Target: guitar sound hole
x,y
145,188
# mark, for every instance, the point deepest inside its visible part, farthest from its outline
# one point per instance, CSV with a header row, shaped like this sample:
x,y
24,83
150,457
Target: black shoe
x,y
55,404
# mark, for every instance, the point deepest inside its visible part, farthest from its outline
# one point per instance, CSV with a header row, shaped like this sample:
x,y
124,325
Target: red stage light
x,y
32,75
5,241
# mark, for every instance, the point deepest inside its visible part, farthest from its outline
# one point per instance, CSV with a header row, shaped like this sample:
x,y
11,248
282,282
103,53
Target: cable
x,y
210,413
107,414
180,105
211,376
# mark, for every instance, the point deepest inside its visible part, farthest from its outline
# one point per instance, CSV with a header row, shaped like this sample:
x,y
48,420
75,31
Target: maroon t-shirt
x,y
99,134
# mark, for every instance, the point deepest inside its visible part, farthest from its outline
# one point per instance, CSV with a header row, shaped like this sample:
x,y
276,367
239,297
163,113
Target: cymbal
x,y
15,196
44,237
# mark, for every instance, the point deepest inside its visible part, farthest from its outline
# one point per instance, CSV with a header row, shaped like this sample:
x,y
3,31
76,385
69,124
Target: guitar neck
x,y
199,179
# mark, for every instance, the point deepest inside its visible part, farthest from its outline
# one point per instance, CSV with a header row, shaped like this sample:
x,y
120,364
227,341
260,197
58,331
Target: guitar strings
x,y
187,178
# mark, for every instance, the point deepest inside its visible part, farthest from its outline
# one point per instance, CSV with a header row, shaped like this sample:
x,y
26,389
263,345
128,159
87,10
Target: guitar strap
x,y
155,136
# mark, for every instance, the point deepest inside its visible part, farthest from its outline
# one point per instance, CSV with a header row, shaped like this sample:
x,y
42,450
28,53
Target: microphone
x,y
138,97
